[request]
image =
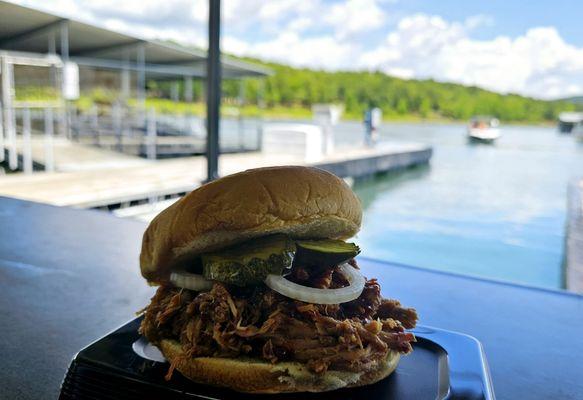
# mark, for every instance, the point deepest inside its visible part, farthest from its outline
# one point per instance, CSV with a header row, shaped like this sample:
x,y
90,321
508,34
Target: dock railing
x,y
145,134
18,127
134,131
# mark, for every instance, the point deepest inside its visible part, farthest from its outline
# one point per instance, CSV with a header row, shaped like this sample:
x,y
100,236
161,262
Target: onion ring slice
x,y
320,296
190,281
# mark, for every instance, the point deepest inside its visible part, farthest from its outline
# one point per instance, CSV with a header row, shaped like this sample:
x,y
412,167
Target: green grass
x,y
167,106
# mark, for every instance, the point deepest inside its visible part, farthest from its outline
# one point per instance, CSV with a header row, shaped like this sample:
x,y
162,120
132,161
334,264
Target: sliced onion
x,y
320,296
190,281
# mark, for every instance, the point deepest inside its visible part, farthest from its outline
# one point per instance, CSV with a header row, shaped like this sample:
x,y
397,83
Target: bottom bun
x,y
252,375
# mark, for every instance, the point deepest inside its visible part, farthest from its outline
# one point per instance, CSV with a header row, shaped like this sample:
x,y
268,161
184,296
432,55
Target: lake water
x,y
495,211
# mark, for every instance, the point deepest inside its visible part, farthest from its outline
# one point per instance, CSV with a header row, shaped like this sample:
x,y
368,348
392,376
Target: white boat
x,y
568,121
483,129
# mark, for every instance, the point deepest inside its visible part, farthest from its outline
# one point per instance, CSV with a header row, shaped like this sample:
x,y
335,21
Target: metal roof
x,y
30,30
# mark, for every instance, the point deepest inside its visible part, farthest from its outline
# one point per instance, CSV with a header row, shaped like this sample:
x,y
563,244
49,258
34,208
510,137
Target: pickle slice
x,y
324,253
250,262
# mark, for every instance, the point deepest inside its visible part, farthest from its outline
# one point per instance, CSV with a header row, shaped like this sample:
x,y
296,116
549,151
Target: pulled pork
x,y
230,321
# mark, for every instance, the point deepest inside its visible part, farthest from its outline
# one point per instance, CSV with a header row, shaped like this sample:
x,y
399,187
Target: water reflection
x,y
493,211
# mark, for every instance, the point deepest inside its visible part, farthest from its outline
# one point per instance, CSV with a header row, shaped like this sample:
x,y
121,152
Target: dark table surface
x,y
67,277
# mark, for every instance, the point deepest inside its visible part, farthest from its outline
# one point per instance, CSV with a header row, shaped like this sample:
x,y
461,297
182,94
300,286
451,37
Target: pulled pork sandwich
x,y
260,293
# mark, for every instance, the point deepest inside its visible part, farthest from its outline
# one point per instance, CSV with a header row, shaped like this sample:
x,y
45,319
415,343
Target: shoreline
x,y
302,114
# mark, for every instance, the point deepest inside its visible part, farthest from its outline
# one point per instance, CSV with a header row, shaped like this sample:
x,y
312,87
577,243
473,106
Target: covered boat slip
x,y
29,30
73,58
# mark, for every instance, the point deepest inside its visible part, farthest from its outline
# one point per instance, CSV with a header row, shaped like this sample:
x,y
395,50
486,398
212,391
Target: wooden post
x,y
26,144
151,135
49,132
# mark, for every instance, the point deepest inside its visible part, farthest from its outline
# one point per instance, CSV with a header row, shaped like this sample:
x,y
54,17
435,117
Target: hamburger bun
x,y
302,202
258,376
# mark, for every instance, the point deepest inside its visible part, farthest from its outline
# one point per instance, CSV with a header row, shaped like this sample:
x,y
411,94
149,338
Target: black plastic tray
x,y
444,365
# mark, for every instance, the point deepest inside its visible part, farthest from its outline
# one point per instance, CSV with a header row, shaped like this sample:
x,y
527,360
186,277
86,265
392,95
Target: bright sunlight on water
x,y
495,211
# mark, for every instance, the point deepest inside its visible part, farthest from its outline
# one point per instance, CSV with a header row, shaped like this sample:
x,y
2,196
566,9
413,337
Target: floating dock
x,y
115,182
164,146
574,238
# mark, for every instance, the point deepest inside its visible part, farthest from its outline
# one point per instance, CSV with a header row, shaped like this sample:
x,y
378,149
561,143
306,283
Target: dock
x,y
164,146
70,156
574,238
135,180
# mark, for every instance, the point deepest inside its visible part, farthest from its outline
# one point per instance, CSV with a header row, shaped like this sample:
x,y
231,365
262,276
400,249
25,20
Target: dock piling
x,y
241,131
151,135
49,132
26,144
116,111
95,125
10,118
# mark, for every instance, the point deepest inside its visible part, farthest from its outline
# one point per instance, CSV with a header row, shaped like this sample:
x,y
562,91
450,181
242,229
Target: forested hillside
x,y
294,87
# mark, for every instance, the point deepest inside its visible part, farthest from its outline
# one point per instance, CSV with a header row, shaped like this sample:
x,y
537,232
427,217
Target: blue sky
x,y
532,47
509,17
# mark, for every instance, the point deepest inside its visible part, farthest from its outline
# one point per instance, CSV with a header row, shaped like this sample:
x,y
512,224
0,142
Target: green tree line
x,y
357,91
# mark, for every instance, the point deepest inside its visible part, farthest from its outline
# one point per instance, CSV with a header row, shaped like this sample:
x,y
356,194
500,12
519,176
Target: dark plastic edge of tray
x,y
466,363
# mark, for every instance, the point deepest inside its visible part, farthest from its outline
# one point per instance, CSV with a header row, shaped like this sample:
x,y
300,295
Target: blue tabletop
x,y
70,276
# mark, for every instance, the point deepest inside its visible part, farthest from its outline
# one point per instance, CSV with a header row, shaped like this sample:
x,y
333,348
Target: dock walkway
x,y
71,156
138,179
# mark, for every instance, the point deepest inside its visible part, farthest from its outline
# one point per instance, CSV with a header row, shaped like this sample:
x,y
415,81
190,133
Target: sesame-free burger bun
x,y
302,202
253,375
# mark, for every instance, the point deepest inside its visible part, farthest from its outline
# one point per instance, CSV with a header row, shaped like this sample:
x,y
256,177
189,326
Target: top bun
x,y
302,202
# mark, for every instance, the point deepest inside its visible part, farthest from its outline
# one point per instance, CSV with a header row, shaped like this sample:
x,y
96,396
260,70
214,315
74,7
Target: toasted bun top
x,y
303,202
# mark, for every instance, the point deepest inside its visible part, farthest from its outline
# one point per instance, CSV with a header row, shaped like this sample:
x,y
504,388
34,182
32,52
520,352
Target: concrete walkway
x,y
70,156
143,179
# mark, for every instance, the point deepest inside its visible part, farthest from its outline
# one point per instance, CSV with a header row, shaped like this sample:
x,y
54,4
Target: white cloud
x,y
235,46
538,63
354,16
476,21
300,24
276,9
340,35
319,52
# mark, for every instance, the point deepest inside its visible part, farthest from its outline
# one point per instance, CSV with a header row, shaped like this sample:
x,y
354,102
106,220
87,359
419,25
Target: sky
x,y
533,48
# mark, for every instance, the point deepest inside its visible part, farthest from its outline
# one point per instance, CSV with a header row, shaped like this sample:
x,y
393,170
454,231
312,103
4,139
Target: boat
x,y
569,120
483,129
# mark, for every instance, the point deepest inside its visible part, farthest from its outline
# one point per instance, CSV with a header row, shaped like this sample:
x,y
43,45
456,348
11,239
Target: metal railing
x,y
17,126
132,131
150,134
